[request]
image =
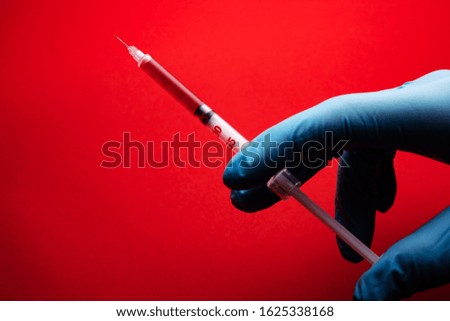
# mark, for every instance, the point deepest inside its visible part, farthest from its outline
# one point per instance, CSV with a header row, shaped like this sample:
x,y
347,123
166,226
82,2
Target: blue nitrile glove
x,y
414,117
416,263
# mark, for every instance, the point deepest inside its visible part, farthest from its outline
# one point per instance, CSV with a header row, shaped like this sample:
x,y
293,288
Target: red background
x,y
71,230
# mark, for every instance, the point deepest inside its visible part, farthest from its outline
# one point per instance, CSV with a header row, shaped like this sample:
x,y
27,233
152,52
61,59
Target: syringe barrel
x,y
231,137
188,99
172,85
224,131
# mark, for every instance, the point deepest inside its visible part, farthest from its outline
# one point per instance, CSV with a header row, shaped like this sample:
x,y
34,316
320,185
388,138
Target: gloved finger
x,y
254,199
355,202
261,197
297,143
413,119
366,183
416,263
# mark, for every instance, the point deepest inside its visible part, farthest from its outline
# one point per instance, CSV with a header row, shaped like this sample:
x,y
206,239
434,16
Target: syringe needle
x,y
122,41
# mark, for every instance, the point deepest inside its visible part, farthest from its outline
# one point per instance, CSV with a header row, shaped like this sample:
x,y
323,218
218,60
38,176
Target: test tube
x,y
284,184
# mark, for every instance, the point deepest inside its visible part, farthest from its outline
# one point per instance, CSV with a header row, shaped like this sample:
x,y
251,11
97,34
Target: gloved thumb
x,y
416,263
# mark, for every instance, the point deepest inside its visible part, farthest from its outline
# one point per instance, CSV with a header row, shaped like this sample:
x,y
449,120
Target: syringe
x,y
284,184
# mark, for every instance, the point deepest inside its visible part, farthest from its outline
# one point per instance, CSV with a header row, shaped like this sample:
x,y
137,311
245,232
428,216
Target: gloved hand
x,y
414,117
